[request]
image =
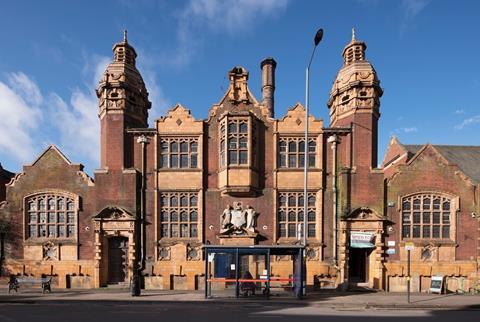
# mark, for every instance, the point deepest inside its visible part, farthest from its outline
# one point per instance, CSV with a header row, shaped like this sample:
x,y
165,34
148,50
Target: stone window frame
x,y
236,144
420,213
284,155
190,154
52,211
168,209
290,214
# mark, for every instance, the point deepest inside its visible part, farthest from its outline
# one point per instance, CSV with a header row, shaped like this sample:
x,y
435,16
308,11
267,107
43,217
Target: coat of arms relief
x,y
238,220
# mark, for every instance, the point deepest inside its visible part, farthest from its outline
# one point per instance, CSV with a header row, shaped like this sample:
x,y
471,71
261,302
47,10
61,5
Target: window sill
x,y
298,170
167,241
294,240
424,242
55,241
179,170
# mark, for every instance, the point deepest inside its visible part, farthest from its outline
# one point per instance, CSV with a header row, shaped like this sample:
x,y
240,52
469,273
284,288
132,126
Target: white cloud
x,y
406,130
219,16
469,121
231,15
25,87
460,111
411,9
29,120
77,125
20,115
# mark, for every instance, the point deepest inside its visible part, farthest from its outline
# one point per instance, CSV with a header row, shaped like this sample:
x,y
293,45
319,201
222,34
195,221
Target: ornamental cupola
x,y
356,86
122,89
123,104
355,99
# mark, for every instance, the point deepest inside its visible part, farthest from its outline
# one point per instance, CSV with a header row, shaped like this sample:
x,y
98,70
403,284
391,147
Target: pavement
x,y
321,299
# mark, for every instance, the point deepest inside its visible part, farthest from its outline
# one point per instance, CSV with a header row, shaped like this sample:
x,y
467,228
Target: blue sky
x,y
426,53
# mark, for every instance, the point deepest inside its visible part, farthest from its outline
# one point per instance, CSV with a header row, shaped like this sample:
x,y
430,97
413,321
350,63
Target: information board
x,y
436,284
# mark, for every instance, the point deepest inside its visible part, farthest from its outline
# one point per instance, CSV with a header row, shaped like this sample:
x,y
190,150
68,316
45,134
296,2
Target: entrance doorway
x,y
117,259
358,263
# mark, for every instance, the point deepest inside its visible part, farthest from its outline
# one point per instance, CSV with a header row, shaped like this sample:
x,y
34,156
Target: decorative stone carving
x,y
312,253
164,253
238,220
429,253
49,251
363,213
193,253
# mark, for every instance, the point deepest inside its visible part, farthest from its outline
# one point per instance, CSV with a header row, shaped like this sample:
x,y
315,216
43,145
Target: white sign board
x,y
436,284
391,243
409,246
362,240
391,251
232,267
211,257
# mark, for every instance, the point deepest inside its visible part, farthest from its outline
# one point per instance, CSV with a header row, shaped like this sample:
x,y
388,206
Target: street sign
x,y
409,246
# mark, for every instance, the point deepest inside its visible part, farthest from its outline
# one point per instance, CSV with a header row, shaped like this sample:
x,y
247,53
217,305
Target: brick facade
x,y
243,157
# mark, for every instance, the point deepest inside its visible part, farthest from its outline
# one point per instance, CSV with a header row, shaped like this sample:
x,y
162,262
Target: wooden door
x,y
117,259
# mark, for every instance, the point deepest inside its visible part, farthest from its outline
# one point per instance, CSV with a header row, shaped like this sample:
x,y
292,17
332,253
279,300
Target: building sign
x,y
391,251
362,240
436,284
409,246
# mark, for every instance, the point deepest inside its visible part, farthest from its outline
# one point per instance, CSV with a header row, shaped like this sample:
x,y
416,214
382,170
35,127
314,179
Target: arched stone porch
x,y
111,224
361,235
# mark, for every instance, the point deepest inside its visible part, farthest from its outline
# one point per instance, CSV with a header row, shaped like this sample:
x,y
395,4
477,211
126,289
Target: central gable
x,y
114,213
238,98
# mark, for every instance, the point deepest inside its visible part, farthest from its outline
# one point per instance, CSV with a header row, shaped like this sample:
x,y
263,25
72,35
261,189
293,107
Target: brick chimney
x,y
268,83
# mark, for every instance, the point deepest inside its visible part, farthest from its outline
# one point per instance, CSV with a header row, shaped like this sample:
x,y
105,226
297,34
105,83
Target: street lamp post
x,y
316,41
140,237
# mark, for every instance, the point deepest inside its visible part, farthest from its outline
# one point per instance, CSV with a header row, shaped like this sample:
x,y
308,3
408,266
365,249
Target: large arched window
x,y
428,216
51,216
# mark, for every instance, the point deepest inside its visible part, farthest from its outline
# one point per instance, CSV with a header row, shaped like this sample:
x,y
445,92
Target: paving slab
x,y
331,299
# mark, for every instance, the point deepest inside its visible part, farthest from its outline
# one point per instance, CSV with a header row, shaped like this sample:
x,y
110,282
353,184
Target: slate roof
x,y
467,158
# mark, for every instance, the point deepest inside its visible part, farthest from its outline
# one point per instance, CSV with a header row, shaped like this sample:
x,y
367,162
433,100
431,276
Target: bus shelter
x,y
232,265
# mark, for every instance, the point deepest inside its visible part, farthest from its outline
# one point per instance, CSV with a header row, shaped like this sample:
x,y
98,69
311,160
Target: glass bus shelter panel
x,y
221,268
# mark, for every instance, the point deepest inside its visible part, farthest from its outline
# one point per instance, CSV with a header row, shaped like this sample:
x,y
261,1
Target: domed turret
x,y
123,103
355,100
122,88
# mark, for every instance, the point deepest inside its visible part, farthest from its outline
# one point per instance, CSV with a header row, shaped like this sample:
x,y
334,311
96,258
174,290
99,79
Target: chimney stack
x,y
268,83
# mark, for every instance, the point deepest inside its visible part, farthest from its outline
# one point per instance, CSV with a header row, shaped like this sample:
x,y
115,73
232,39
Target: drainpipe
x,y
334,140
143,141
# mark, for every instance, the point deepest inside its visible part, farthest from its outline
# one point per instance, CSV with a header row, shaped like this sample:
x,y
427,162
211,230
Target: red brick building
x,y
236,178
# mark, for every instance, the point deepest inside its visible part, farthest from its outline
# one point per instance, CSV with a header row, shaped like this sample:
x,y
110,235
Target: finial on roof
x,y
353,34
125,36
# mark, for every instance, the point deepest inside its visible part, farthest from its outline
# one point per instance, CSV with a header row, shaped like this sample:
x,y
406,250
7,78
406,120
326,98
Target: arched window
x,y
46,216
427,216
